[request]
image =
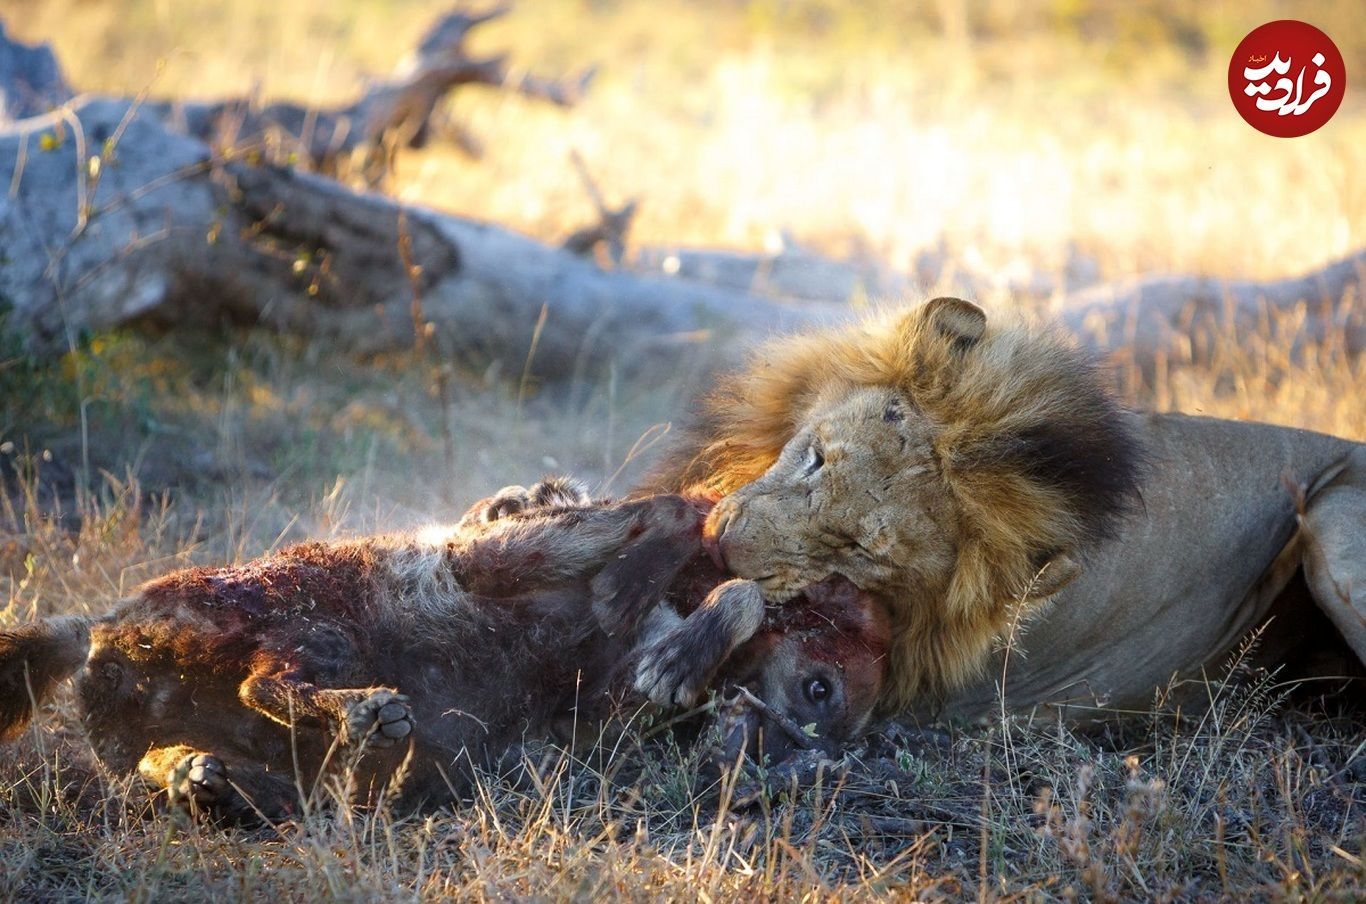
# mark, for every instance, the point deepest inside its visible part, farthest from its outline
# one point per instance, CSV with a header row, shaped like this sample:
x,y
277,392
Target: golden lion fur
x,y
1013,409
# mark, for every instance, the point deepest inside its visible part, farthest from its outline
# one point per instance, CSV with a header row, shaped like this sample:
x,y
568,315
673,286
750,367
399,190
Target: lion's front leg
x,y
1333,527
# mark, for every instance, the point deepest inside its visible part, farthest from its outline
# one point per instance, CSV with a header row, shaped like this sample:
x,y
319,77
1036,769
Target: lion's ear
x,y
933,342
956,319
1053,575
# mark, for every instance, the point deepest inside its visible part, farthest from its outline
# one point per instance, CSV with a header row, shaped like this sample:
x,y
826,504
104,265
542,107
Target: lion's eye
x,y
814,460
817,690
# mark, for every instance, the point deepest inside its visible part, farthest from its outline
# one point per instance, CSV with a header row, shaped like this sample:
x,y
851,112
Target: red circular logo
x,y
1287,78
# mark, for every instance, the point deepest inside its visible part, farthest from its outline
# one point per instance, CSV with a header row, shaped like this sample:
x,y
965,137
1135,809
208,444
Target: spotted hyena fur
x,y
231,688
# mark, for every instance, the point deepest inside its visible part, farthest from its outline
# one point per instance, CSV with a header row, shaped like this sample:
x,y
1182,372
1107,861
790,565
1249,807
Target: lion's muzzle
x,y
714,532
748,539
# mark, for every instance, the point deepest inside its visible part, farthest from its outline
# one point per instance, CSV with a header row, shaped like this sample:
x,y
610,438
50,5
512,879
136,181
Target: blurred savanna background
x,y
1024,150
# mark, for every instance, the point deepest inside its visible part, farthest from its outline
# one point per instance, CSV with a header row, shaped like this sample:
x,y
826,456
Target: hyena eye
x,y
816,689
814,460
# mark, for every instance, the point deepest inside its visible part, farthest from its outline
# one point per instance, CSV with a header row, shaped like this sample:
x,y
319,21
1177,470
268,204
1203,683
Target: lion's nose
x,y
713,534
720,518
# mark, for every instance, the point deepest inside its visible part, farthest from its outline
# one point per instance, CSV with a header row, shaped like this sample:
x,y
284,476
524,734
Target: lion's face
x,y
856,492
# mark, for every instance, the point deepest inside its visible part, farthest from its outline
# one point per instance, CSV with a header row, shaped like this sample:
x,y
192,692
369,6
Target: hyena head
x,y
818,664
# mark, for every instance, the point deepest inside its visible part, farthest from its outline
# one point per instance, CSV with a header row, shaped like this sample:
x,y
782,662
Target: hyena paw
x,y
560,492
379,720
676,668
669,673
198,782
553,492
508,501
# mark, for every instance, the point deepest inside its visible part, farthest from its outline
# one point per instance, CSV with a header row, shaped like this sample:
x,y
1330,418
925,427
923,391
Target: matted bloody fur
x,y
233,687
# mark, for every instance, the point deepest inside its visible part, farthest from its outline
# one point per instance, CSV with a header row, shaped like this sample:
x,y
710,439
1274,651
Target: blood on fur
x,y
454,645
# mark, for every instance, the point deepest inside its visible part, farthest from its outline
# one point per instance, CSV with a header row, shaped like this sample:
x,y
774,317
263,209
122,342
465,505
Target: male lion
x,y
1018,522
229,686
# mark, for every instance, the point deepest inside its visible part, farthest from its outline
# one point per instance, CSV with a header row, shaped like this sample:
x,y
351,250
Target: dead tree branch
x,y
402,111
613,223
108,217
172,234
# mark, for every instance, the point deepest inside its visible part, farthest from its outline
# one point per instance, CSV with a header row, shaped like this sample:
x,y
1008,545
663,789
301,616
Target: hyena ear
x,y
953,318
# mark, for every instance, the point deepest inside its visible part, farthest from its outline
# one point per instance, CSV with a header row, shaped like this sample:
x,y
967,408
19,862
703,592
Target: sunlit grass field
x,y
1008,131
1005,138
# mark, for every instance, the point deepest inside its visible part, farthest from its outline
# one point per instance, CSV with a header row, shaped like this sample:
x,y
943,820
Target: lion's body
x,y
1214,549
981,480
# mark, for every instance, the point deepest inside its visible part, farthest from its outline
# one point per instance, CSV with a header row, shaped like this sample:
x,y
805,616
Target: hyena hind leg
x,y
369,717
201,784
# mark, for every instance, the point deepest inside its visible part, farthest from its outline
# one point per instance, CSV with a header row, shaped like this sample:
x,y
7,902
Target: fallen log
x,y
788,273
1181,320
792,271
1144,324
109,217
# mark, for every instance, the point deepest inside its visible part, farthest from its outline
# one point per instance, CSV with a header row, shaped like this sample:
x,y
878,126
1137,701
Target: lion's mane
x,y
1037,453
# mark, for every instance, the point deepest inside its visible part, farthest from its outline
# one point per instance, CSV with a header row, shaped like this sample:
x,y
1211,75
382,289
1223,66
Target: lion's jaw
x,y
856,492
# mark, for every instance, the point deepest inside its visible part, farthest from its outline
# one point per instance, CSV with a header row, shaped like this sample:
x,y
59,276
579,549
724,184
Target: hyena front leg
x,y
631,552
513,557
675,668
369,717
201,784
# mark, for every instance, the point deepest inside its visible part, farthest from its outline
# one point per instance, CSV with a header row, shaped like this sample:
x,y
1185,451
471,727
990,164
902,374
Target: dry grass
x,y
1240,802
1071,127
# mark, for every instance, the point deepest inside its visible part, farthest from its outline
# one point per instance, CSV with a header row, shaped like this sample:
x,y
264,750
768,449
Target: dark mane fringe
x,y
1090,455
